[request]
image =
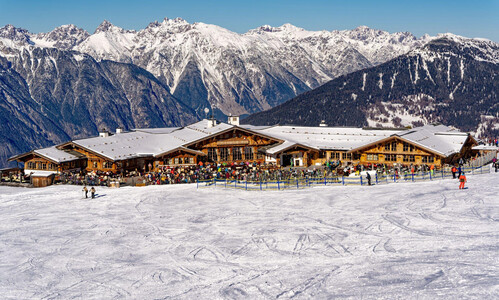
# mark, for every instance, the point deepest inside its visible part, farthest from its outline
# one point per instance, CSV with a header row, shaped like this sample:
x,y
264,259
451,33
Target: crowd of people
x,y
252,172
492,141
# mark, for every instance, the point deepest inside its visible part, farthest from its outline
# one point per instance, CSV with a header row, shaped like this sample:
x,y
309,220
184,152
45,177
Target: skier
x,y
453,170
459,171
462,181
368,176
86,191
92,191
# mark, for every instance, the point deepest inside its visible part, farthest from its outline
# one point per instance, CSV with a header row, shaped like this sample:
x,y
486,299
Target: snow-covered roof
x,y
255,127
129,145
439,138
282,147
150,142
165,130
324,138
38,173
50,153
56,155
486,147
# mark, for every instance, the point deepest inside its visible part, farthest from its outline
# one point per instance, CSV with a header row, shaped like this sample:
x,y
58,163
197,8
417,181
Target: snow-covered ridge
x,y
479,49
235,73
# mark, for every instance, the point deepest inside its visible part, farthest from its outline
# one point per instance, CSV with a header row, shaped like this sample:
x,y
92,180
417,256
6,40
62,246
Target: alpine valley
x,y
68,84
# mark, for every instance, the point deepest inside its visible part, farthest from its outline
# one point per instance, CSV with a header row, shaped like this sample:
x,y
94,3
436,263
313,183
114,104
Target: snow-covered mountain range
x,y
68,83
205,64
453,80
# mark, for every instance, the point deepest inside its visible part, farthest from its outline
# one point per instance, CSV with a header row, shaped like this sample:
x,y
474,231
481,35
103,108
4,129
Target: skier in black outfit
x,y
92,190
368,176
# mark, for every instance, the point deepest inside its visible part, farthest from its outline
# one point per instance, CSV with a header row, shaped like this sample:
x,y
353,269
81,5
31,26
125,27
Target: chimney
x,y
103,132
211,122
323,124
119,130
234,120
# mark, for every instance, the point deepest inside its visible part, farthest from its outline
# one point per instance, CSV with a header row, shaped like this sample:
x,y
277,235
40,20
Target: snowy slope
x,y
400,241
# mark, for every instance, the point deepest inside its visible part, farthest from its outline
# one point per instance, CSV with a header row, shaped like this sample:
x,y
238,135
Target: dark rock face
x,y
449,80
61,95
22,125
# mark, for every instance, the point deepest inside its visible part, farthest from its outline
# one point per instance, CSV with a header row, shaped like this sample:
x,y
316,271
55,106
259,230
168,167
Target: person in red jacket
x,y
462,181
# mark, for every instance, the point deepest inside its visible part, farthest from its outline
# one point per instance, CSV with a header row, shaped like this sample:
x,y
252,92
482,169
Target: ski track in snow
x,y
406,240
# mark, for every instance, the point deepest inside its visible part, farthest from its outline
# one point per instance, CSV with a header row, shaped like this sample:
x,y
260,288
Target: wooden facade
x,y
396,150
178,157
93,161
36,162
297,156
42,181
233,146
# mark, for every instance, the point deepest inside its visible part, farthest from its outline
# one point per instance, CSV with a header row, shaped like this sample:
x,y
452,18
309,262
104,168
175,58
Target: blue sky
x,y
468,18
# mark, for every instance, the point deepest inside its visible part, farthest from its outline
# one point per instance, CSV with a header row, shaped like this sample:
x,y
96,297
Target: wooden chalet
x,y
208,141
430,145
43,164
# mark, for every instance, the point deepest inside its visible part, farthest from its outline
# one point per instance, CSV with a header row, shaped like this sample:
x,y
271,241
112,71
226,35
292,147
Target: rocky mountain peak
x,y
174,21
107,26
63,37
286,28
13,33
104,26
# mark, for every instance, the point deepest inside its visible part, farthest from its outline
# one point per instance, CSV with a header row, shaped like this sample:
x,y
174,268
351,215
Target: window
x,y
175,161
237,153
335,155
372,157
107,165
52,166
94,164
43,166
191,160
408,147
212,154
260,155
387,146
31,165
428,159
248,153
394,146
356,156
347,156
390,157
224,154
409,158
